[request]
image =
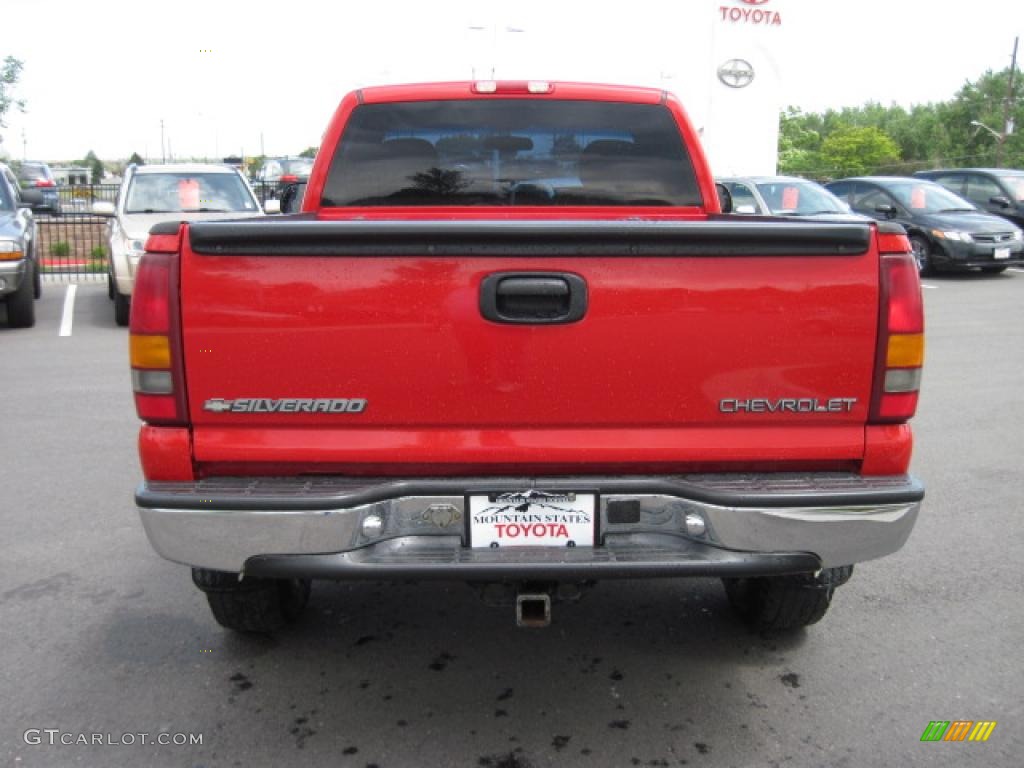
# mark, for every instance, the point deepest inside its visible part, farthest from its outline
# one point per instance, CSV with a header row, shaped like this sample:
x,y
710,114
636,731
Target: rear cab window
x,y
507,152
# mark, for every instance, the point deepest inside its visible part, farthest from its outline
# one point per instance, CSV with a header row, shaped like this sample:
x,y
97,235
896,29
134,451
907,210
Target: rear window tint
x,y
511,152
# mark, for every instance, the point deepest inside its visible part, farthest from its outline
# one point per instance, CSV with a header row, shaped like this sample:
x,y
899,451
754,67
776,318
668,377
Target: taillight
x,y
158,371
289,178
45,183
900,352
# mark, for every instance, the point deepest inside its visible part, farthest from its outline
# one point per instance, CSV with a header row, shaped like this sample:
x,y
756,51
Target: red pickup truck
x,y
512,339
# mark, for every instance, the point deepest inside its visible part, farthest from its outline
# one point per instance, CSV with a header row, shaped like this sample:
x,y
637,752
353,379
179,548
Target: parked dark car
x,y
996,190
20,280
38,187
946,231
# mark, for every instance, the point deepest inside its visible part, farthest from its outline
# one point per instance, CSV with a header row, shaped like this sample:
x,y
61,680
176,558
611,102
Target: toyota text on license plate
x,y
532,519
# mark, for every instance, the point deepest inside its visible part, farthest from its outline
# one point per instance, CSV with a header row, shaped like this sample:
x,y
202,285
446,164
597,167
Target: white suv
x,y
151,194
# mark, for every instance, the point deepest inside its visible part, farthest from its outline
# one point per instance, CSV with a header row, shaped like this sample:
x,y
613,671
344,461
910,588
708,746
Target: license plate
x,y
1001,253
532,519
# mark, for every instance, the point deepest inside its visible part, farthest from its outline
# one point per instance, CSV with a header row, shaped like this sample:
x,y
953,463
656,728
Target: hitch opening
x,y
533,610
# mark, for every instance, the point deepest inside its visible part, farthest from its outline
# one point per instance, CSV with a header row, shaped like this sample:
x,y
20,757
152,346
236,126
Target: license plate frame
x,y
1001,253
551,519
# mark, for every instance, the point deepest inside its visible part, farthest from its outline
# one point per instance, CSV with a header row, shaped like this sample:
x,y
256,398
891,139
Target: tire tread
x,y
252,605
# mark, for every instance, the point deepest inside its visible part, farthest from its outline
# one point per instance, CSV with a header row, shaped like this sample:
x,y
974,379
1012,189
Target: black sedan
x,y
946,231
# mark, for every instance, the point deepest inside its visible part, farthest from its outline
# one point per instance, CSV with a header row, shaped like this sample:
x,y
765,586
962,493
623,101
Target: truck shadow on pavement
x,y
638,673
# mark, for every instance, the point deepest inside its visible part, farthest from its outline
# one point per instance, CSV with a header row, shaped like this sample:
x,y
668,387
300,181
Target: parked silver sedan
x,y
782,196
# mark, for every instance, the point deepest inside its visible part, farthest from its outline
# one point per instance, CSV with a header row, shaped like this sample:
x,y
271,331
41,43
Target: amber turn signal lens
x,y
906,350
150,351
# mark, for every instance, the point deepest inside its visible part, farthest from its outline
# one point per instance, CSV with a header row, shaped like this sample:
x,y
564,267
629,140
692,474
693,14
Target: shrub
x,y
60,250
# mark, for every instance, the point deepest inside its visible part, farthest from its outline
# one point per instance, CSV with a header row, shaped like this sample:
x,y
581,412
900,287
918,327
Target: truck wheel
x,y
252,605
21,308
37,280
122,307
922,254
777,603
110,286
993,270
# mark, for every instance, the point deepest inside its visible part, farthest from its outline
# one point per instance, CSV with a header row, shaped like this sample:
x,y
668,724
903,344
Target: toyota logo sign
x,y
736,73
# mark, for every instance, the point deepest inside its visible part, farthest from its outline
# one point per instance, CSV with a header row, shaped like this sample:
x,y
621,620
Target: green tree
x,y
254,164
309,152
135,159
984,101
926,135
799,142
10,71
95,166
855,151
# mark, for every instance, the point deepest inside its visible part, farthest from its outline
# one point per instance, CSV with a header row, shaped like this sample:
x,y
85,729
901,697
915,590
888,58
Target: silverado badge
x,y
285,405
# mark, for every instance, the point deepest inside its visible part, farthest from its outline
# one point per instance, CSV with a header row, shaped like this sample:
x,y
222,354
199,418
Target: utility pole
x,y
24,146
1007,107
163,151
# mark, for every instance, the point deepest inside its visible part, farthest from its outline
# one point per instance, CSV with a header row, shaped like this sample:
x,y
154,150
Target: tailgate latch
x,y
533,298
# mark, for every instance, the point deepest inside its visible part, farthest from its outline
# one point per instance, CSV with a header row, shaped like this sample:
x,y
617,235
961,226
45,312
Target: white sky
x,y
220,73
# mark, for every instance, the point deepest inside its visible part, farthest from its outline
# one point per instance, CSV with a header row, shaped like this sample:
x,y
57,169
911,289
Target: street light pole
x,y
1007,106
1000,138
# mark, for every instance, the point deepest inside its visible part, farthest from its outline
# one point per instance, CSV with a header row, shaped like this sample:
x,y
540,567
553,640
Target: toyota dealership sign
x,y
748,12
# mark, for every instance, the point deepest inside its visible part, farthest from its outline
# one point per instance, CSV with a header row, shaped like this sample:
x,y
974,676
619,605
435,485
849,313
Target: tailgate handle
x,y
533,298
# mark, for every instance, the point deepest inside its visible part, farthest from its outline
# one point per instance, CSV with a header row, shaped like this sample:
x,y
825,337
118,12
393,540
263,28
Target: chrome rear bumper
x,y
751,524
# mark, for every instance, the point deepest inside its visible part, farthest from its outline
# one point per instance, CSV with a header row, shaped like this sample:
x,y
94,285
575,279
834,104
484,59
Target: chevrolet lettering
x,y
788,405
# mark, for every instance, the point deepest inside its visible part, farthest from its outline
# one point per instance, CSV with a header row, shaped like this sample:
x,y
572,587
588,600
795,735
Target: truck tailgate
x,y
702,344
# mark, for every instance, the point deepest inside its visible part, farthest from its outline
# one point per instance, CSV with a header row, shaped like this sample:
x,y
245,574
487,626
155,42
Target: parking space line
x,y
1014,269
69,310
930,287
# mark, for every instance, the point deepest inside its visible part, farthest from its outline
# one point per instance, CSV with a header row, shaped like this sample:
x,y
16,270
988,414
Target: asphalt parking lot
x,y
99,635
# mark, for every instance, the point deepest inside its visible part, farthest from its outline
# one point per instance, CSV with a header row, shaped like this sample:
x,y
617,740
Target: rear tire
x,y
21,305
779,603
122,307
993,270
252,605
